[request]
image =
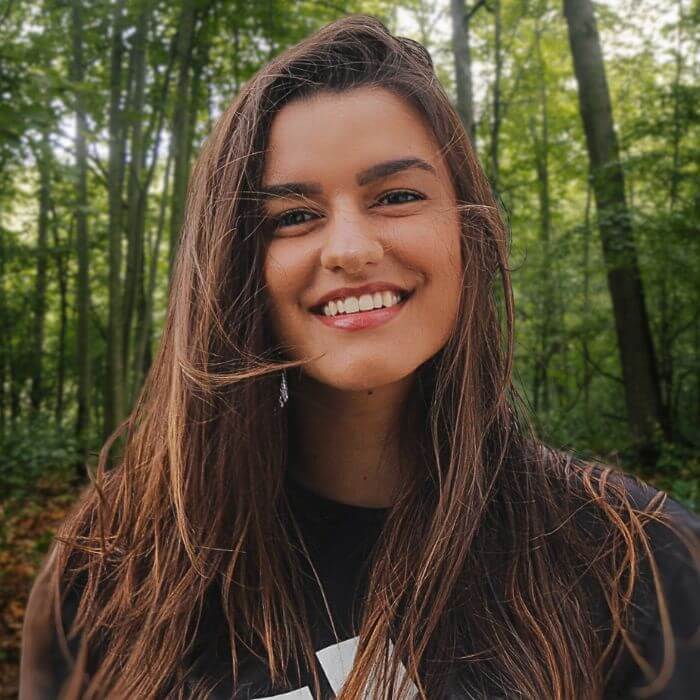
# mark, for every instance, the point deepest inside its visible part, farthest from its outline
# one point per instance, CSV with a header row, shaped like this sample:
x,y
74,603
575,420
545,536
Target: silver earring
x,y
284,391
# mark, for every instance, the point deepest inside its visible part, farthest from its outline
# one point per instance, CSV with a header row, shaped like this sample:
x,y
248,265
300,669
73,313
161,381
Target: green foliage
x,y
32,450
678,473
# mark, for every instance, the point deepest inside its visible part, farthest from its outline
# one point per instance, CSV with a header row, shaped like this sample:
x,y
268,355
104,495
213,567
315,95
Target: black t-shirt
x,y
340,538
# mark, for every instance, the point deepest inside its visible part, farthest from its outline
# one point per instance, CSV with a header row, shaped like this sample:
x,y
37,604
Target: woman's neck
x,y
344,444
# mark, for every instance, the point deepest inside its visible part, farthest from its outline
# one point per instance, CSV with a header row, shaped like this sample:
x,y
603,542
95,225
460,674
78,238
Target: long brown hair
x,y
481,562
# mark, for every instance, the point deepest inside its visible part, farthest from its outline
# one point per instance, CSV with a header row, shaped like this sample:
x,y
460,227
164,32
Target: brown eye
x,y
289,218
398,196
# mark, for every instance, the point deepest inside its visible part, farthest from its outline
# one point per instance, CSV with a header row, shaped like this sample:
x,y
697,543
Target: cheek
x,y
277,287
435,249
286,274
439,257
283,273
448,251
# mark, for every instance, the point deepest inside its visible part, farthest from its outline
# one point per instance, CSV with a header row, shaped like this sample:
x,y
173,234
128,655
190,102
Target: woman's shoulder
x,y
642,493
617,487
662,532
673,550
674,542
672,530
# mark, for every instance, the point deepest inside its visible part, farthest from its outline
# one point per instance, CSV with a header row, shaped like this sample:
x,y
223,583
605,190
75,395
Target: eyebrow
x,y
364,177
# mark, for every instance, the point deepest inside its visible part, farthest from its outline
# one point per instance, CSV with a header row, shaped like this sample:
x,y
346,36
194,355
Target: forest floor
x,y
27,526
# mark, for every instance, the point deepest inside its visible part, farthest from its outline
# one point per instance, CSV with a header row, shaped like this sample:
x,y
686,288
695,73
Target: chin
x,y
359,378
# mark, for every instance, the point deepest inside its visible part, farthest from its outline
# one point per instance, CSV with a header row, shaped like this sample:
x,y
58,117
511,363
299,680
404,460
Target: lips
x,y
364,320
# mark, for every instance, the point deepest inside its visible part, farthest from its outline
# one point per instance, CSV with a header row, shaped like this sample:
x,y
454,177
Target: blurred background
x,y
590,138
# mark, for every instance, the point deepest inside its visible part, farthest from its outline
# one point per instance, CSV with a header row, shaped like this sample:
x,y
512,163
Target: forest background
x,y
590,137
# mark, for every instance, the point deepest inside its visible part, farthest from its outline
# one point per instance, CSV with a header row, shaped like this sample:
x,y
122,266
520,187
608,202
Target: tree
x,y
81,224
634,338
43,159
114,389
136,189
180,130
461,20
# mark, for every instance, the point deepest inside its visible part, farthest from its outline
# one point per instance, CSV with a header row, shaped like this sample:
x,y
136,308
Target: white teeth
x,y
366,302
351,304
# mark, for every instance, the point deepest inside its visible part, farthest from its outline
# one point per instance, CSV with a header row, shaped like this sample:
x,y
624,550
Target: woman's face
x,y
357,197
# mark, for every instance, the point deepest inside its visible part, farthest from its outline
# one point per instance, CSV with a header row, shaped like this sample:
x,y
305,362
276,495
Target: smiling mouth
x,y
403,298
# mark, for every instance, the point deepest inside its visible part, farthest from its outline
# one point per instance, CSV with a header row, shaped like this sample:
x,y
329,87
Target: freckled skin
x,y
353,235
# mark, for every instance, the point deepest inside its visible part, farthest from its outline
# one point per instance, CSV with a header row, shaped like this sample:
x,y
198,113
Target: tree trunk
x,y
142,350
544,289
142,355
496,116
136,210
635,344
180,131
155,126
677,120
114,394
81,227
461,19
585,309
62,277
4,333
43,155
195,99
546,284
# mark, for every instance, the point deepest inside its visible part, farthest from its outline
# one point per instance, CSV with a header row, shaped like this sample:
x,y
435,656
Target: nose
x,y
351,244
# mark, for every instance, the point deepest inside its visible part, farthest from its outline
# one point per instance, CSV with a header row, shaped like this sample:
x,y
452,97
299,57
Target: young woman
x,y
328,487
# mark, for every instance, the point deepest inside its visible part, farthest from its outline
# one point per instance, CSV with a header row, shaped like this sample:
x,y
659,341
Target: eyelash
x,y
276,220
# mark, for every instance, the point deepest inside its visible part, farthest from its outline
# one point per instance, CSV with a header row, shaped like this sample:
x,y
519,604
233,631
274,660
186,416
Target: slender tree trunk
x,y
43,155
545,287
155,126
193,109
4,333
200,61
547,281
677,121
136,195
145,330
461,48
81,228
114,394
496,117
137,374
585,311
637,356
142,346
180,131
62,277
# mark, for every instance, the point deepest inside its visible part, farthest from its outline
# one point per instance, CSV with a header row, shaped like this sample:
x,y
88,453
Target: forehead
x,y
332,135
